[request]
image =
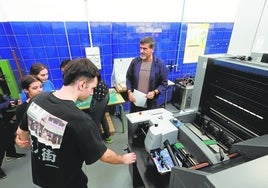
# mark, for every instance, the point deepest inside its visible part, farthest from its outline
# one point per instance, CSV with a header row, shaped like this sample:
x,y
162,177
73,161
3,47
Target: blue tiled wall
x,y
52,42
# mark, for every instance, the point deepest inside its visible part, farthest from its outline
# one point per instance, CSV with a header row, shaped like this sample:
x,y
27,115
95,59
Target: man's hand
x,y
150,95
22,138
129,158
131,97
113,158
22,143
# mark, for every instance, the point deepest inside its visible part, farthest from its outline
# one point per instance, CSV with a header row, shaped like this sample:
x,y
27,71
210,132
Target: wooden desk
x,y
116,100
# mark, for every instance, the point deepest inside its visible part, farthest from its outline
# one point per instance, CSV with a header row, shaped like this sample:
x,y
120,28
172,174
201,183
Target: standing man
x,y
98,105
62,136
147,74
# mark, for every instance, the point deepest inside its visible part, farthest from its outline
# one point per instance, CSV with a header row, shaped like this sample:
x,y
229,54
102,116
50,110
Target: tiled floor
x,y
100,175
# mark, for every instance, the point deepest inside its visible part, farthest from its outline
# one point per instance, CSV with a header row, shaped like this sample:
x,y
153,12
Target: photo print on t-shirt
x,y
48,129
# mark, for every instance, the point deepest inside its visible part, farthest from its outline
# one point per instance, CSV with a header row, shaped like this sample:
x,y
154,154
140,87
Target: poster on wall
x,y
195,42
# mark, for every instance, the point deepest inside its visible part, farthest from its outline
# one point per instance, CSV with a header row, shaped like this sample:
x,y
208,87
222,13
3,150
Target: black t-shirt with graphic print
x,y
63,137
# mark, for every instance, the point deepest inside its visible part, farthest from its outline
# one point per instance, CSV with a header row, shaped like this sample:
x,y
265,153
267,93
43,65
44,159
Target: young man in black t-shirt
x,y
63,137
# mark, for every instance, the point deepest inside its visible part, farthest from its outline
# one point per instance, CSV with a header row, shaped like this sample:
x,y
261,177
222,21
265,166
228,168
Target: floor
x,y
100,175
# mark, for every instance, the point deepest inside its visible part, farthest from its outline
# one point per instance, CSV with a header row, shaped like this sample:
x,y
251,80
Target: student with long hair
x,y
41,71
32,86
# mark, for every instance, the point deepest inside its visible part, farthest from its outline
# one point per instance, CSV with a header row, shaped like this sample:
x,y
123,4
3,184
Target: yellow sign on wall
x,y
196,39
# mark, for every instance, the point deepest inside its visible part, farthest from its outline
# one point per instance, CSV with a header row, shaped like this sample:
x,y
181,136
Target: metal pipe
x,y
67,38
17,63
88,24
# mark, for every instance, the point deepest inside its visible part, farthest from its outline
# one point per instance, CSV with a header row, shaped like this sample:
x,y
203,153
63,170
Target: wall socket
x,y
93,54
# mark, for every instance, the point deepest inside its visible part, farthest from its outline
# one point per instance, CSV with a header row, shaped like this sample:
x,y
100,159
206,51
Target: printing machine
x,y
259,57
222,139
229,108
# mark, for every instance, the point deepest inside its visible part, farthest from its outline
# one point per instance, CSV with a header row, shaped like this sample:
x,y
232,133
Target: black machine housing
x,y
230,105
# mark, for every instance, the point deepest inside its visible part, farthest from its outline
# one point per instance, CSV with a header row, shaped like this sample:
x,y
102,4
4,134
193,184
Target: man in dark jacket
x,y
147,74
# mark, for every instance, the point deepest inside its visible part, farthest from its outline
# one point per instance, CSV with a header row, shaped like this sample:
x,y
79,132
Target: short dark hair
x,y
27,80
64,63
36,68
81,67
148,40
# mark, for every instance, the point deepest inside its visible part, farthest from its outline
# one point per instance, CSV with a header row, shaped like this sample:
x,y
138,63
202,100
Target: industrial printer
x,y
222,139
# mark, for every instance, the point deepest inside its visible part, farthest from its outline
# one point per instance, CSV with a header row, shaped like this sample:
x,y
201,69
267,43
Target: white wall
x,y
119,10
210,10
261,40
135,10
246,27
42,10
